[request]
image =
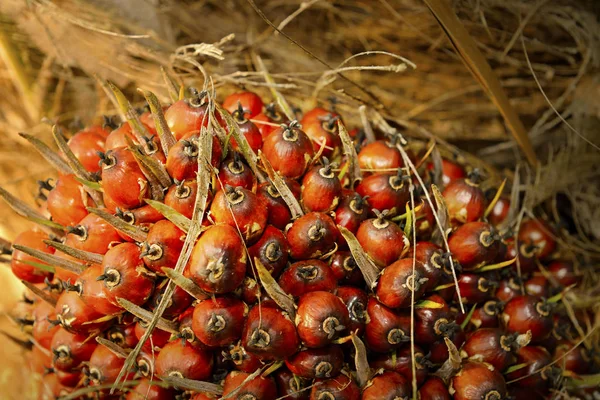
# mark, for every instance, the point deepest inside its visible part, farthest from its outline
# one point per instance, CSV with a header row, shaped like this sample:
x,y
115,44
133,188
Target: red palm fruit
x,y
272,250
241,359
123,335
242,209
345,270
264,124
147,390
485,316
500,211
526,256
400,361
182,197
290,386
85,145
351,211
248,130
43,329
387,386
322,128
123,179
382,240
341,387
250,291
434,388
250,103
218,260
182,160
573,357
76,316
438,351
537,286
185,116
528,313
325,362
117,138
564,272
179,302
478,380
379,155
104,366
465,200
424,219
269,334
385,329
51,388
355,300
476,288
219,321
307,276
473,245
67,201
386,191
181,359
91,291
399,283
70,350
508,289
321,318
312,236
493,346
235,172
158,338
259,388
19,262
142,217
321,188
289,151
278,211
538,233
535,375
124,275
39,361
430,256
162,246
433,323
451,171
69,379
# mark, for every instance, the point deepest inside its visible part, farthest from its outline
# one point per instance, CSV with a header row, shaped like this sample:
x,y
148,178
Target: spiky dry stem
x,y
282,188
186,284
181,221
52,259
82,255
49,155
147,316
275,291
167,140
134,232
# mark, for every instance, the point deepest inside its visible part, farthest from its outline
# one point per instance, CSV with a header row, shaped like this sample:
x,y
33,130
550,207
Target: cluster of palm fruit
x,y
211,251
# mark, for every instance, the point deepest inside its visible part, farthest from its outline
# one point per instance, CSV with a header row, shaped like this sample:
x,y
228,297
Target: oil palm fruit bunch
x,y
211,250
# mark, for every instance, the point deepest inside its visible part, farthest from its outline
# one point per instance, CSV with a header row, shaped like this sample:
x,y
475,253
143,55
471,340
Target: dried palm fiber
x,y
62,44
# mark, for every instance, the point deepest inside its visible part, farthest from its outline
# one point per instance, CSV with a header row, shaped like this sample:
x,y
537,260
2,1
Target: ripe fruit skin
x,y
218,260
278,211
104,366
269,334
385,330
259,388
272,250
524,313
321,127
242,209
382,240
500,211
386,191
325,362
465,201
432,324
163,246
92,234
451,171
564,272
291,386
379,155
536,359
92,291
235,172
387,386
400,361
43,330
476,288
75,315
157,339
312,236
397,283
147,390
355,300
537,232
491,346
351,211
85,145
289,150
18,264
185,116
339,388
182,197
124,275
430,256
478,381
180,358
321,318
70,350
122,179
434,388
307,276
219,321
250,102
321,189
67,201
473,245
345,269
